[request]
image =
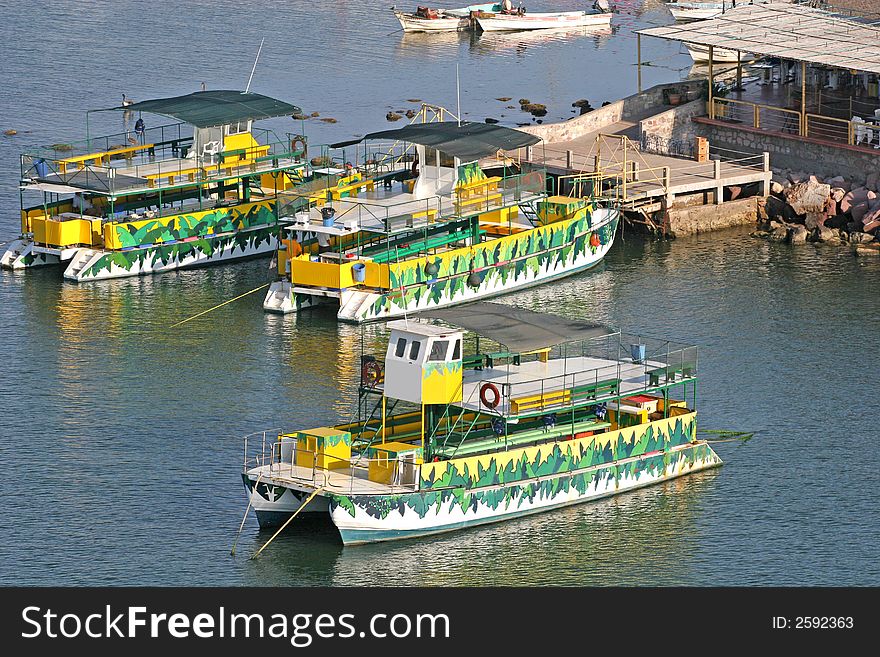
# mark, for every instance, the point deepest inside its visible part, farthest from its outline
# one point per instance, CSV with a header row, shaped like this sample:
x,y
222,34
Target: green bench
x,y
397,251
471,447
596,389
668,373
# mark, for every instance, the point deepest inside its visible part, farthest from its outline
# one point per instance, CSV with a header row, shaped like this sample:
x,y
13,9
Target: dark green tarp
x,y
517,329
468,141
206,109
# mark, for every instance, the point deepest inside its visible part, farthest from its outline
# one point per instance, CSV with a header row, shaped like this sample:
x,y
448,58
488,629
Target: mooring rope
x,y
205,312
281,529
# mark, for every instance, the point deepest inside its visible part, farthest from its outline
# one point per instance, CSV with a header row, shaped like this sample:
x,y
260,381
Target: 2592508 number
x,y
823,622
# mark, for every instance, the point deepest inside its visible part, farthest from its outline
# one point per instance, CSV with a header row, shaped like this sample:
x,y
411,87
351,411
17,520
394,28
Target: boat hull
x,y
413,23
472,491
542,21
85,265
700,53
545,254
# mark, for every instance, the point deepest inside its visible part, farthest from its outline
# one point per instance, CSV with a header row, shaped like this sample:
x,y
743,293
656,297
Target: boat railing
x,y
282,455
158,135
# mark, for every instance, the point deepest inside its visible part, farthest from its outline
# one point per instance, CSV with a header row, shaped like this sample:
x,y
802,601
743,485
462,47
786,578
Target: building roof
x,y
206,109
518,329
468,141
788,31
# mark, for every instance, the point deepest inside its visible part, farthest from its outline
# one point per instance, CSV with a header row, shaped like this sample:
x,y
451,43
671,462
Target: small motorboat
x,y
695,11
426,19
598,16
700,53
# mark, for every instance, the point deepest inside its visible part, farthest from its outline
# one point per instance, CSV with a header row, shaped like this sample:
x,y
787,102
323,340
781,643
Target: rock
x,y
775,207
327,119
873,225
858,212
815,179
299,117
854,197
511,106
775,224
314,115
776,187
837,193
860,238
843,235
419,100
814,220
503,99
798,235
393,116
524,101
824,234
490,120
836,181
867,250
871,181
535,109
10,132
807,197
410,113
796,177
779,234
759,233
836,221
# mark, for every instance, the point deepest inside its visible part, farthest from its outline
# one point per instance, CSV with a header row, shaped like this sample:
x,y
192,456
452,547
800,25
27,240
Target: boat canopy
x,y
517,329
207,109
468,141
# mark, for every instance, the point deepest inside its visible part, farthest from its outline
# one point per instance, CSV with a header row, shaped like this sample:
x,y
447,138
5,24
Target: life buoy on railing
x,y
594,240
298,143
485,391
371,372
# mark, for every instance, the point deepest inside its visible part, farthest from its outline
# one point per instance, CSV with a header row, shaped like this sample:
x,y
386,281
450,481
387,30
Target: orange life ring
x,y
496,396
298,143
594,240
371,372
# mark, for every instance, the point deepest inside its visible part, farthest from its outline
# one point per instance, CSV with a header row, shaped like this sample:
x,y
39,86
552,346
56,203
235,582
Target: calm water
x,y
120,435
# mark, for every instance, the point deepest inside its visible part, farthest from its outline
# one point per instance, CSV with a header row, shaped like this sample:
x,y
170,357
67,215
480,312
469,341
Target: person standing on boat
x,y
140,129
507,6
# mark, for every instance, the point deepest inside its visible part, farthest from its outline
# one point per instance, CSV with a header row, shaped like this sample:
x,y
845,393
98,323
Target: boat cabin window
x,y
401,347
438,350
414,350
445,159
456,350
237,128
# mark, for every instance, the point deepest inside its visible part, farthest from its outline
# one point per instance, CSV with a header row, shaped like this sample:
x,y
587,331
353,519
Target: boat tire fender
x,y
485,391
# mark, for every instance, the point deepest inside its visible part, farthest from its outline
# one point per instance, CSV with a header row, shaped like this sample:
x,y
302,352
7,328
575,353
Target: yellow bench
x,y
173,175
476,188
352,188
540,401
489,200
100,158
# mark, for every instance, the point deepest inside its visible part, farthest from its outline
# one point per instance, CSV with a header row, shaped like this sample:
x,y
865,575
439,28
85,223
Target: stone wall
x,y
675,123
794,152
622,110
695,219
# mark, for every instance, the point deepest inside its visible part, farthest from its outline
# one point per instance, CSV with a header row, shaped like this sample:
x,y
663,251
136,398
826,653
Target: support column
x,y
719,186
765,184
639,58
711,83
803,125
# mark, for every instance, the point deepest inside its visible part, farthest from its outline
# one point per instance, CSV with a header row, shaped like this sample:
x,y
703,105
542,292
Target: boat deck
x,y
348,481
534,380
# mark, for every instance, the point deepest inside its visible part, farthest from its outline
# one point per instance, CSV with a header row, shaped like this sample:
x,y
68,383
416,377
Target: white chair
x,y
859,129
211,149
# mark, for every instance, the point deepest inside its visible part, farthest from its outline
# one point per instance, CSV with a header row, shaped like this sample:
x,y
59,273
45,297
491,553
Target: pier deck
x,y
638,179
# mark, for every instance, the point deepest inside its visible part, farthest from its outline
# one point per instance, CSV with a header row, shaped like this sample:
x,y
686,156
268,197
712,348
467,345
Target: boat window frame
x,y
456,350
434,345
400,349
414,349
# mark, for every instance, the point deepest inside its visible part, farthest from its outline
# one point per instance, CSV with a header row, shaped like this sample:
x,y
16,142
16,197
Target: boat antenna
x,y
247,88
457,95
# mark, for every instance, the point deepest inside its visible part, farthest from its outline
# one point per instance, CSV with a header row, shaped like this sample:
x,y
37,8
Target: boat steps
x,y
78,262
354,301
13,252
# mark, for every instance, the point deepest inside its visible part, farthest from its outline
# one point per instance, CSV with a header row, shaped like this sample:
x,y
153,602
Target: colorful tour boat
x,y
437,213
198,191
541,413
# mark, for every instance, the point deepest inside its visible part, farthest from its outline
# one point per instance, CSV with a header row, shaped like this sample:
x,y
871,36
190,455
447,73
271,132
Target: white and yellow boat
x,y
199,191
469,221
550,412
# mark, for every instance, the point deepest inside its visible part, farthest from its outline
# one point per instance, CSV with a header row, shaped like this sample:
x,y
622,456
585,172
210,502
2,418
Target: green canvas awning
x,y
469,141
206,109
518,329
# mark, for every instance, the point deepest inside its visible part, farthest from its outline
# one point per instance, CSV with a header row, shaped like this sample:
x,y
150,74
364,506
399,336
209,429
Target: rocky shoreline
x,y
804,208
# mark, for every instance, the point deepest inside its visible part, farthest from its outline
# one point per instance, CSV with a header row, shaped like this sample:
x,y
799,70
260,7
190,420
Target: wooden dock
x,y
610,165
